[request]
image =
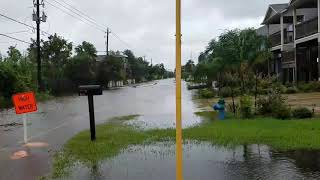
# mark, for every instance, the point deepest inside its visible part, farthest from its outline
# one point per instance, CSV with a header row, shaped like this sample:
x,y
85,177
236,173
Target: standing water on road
x,y
204,161
60,119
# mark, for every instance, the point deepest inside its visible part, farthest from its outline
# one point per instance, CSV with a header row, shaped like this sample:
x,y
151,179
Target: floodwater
x,y
60,119
204,161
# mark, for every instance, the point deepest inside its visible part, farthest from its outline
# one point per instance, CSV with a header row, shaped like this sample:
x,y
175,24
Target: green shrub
x,y
5,102
279,87
43,96
206,93
310,87
282,112
232,109
274,104
246,106
291,90
305,87
227,92
263,91
302,113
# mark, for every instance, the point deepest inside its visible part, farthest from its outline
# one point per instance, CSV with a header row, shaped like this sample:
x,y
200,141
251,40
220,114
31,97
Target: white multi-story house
x,y
294,33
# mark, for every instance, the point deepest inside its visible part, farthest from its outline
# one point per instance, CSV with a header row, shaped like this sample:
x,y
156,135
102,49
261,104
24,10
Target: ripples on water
x,y
204,161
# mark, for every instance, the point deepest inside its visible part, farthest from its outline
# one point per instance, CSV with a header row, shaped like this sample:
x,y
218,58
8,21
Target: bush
x,y
282,112
279,87
232,109
310,87
227,92
246,106
302,113
266,86
5,102
274,104
291,90
206,93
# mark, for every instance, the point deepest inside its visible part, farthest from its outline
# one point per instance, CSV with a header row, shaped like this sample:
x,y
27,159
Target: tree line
x,y
236,55
237,63
64,67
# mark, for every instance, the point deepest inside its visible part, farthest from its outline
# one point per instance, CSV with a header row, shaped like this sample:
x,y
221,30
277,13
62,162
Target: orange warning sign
x,y
24,102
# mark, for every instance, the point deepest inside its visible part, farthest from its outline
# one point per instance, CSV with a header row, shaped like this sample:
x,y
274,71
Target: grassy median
x,y
115,136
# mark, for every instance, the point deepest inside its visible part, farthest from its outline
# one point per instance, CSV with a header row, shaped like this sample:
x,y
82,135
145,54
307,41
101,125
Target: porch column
x,y
318,2
282,31
295,69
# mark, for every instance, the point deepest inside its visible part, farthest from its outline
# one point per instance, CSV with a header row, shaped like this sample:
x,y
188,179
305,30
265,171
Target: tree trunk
x,y
242,81
233,104
256,94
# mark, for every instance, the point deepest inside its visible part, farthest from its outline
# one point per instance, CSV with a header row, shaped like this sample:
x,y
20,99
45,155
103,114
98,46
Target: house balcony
x,y
307,28
275,39
288,59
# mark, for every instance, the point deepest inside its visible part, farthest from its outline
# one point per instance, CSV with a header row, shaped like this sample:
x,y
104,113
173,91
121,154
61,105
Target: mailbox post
x,y
90,91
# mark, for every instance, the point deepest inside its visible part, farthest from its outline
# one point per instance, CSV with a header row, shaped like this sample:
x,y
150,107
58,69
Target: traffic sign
x,y
24,102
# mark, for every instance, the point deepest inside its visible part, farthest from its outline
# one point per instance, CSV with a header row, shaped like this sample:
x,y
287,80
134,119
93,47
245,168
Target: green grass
x,y
114,137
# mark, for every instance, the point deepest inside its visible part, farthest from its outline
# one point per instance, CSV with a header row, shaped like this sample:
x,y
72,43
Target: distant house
x,y
294,32
114,83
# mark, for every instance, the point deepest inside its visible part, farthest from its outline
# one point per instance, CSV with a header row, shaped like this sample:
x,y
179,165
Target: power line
x,y
76,17
76,13
116,36
16,21
80,13
14,38
88,18
19,22
16,32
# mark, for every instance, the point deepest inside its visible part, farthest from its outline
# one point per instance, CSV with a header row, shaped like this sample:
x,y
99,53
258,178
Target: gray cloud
x,y
148,26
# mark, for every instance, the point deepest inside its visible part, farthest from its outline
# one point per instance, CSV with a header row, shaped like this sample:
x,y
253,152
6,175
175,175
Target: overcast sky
x,y
147,26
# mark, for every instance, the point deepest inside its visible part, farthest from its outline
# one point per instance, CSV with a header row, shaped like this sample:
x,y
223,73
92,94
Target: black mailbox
x,y
90,90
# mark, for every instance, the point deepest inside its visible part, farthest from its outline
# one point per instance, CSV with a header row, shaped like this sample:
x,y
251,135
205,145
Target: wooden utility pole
x,y
38,19
40,88
179,172
107,42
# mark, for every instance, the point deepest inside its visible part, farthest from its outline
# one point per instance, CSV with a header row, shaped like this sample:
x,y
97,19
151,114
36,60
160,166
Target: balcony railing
x,y
288,56
275,39
307,28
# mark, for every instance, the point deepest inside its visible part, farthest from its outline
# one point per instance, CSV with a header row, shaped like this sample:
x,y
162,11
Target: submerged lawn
x,y
113,137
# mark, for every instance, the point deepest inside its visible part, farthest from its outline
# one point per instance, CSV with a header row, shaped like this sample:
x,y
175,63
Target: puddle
x,y
164,121
203,161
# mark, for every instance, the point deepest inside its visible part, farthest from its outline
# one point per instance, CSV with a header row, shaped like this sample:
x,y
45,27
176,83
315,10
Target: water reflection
x,y
204,161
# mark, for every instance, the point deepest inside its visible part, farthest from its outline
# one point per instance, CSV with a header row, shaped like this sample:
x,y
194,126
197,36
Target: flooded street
x,y
203,161
60,119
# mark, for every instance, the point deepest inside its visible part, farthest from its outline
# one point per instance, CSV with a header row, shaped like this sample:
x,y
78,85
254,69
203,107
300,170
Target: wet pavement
x,y
60,119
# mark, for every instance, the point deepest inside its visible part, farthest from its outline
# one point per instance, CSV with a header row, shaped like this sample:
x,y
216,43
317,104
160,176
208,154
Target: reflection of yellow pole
x,y
178,94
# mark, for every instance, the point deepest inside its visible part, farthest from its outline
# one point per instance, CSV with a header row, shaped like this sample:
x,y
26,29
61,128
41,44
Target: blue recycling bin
x,y
220,106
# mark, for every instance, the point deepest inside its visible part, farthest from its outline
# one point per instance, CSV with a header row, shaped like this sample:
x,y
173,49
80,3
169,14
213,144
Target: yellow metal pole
x,y
178,94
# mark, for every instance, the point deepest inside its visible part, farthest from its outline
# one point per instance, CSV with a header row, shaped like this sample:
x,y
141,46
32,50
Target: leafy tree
x,y
111,69
81,69
14,55
188,69
242,53
56,52
86,49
